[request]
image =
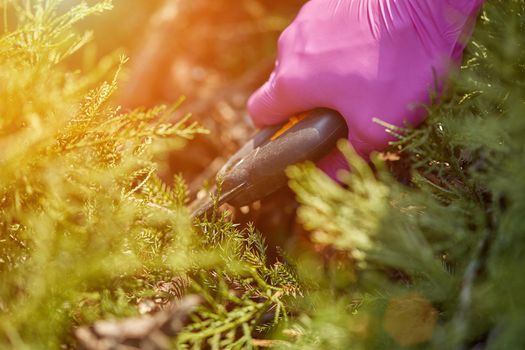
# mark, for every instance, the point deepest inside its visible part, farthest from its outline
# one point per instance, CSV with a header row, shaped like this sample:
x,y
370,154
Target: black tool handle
x,y
258,168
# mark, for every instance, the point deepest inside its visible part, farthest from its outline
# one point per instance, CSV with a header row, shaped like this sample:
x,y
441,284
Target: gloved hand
x,y
366,59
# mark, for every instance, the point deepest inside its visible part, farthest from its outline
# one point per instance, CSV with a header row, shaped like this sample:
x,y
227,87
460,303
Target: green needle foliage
x,y
88,230
75,229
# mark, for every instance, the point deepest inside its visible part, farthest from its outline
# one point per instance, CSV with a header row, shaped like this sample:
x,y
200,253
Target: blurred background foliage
x,y
422,248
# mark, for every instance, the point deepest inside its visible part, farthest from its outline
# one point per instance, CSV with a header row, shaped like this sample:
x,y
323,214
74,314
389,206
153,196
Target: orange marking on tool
x,y
293,121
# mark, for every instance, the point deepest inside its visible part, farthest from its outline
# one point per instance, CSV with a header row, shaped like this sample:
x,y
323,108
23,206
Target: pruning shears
x,y
258,168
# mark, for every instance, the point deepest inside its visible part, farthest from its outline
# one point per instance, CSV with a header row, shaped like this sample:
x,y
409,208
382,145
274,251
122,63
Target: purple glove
x,y
366,59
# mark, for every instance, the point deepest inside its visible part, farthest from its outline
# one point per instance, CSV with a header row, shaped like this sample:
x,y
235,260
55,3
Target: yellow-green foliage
x,y
72,166
86,226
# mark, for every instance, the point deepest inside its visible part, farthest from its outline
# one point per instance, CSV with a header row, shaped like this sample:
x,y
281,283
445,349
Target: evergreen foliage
x,y
87,228
77,242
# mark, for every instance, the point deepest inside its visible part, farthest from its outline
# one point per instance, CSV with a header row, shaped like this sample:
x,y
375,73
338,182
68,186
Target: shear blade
x,y
200,207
